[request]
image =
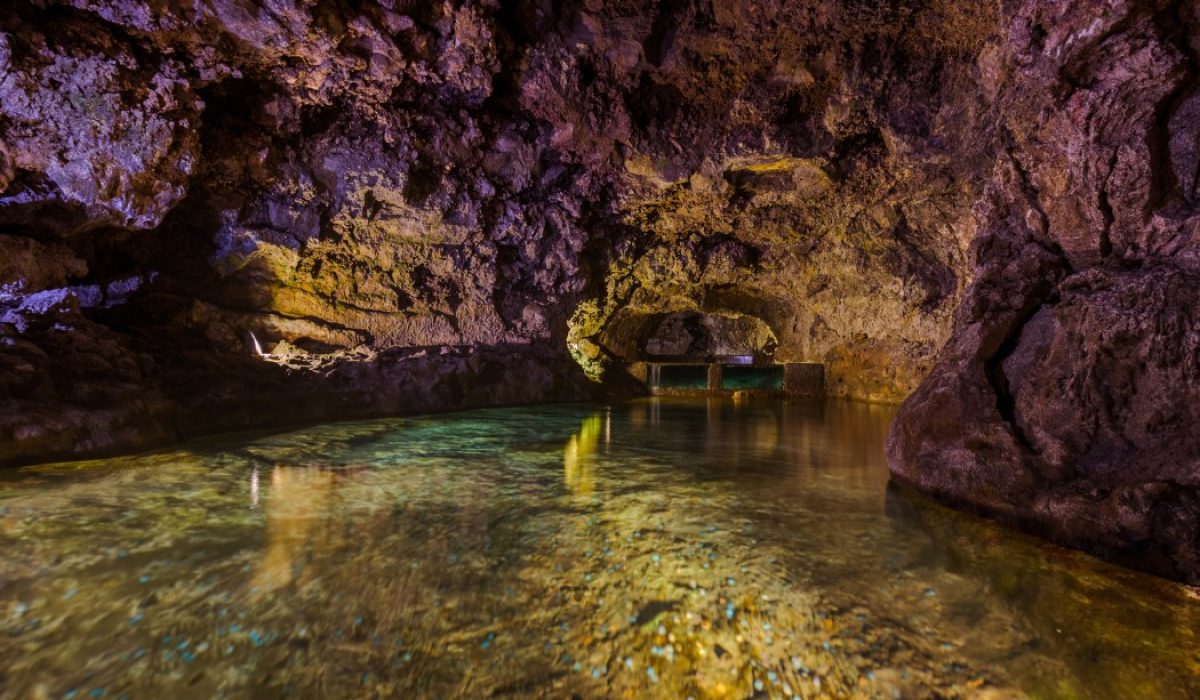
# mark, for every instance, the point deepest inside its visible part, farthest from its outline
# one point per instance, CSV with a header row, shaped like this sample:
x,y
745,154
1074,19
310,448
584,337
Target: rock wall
x,y
1066,399
244,214
235,213
807,165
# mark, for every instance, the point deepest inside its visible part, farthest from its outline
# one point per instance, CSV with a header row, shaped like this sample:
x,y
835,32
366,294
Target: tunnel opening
x,y
708,337
689,351
711,353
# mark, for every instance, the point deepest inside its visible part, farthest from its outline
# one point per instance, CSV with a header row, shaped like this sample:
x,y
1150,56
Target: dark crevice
x,y
868,144
67,28
657,45
423,181
1106,211
363,335
1006,404
1041,237
517,20
1047,298
1175,30
1074,72
937,281
1195,188
317,119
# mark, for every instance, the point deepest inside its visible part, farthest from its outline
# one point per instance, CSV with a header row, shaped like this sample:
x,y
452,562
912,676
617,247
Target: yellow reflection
x,y
755,430
579,456
298,498
764,433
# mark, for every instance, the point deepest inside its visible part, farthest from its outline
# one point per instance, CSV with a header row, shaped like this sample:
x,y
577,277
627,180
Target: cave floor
x,y
656,548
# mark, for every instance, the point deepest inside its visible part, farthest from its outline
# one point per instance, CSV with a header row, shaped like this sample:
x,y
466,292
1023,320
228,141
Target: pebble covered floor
x,y
658,548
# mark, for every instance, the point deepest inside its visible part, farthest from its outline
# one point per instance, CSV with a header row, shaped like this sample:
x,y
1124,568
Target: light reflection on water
x,y
659,548
579,455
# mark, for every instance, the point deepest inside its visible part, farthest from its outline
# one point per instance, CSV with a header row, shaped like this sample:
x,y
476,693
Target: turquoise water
x,y
659,548
752,378
683,376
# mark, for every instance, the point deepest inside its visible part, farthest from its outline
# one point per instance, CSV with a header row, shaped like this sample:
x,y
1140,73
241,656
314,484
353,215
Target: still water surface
x,y
657,548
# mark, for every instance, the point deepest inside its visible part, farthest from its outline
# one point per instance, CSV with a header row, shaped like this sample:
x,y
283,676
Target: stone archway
x,y
698,336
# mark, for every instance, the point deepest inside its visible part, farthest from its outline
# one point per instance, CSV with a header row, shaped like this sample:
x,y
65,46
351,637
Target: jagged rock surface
x,y
1066,399
189,190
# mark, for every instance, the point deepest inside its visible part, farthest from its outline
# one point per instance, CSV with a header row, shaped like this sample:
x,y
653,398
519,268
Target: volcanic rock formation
x,y
238,213
1068,396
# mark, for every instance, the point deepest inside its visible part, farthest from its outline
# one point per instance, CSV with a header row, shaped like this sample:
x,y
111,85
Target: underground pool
x,y
675,548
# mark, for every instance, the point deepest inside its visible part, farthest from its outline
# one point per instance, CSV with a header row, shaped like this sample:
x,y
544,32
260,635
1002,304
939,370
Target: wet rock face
x,y
1065,400
243,214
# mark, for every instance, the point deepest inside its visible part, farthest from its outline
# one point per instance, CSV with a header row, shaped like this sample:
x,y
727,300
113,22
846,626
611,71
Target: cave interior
x,y
237,215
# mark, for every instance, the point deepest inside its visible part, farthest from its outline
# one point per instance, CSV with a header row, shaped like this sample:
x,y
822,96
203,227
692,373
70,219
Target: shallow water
x,y
659,548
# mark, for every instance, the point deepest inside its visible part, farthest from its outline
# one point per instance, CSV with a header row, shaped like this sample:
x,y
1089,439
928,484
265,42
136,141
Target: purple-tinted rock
x,y
1065,400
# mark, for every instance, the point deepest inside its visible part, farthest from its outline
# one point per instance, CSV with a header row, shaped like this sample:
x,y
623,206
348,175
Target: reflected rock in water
x,y
296,501
579,456
297,508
